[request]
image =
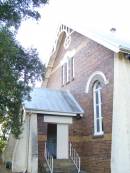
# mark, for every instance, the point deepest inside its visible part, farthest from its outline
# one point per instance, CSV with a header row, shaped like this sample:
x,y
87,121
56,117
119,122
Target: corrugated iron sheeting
x,y
50,100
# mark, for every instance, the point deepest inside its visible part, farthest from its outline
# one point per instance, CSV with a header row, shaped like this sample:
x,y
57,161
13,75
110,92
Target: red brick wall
x,y
95,152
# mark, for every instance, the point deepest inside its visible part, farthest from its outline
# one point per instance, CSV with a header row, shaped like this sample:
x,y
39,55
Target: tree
x,y
12,12
19,68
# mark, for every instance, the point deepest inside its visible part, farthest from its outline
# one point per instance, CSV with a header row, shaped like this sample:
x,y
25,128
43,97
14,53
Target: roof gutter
x,y
55,113
124,49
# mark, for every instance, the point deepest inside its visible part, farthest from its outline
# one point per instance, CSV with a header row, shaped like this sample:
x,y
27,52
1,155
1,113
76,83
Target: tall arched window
x,y
97,104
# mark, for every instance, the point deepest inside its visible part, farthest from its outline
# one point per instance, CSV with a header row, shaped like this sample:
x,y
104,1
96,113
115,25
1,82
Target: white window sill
x,y
99,134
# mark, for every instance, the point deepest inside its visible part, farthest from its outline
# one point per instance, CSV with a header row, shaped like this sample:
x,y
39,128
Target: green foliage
x,y
13,11
18,69
2,145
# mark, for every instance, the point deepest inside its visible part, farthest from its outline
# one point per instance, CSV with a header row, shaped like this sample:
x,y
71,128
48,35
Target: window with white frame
x,y
63,74
72,68
68,71
97,104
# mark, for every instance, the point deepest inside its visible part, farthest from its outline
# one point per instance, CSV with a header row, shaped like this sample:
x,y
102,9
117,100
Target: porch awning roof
x,y
49,101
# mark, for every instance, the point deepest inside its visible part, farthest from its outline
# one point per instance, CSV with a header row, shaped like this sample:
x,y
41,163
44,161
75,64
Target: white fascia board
x,y
99,39
57,119
50,112
104,42
108,45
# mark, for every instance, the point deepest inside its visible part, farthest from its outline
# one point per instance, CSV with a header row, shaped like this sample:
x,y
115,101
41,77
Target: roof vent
x,y
113,30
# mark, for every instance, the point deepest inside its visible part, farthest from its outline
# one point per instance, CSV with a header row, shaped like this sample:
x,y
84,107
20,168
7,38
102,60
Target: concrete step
x,y
63,163
68,170
62,166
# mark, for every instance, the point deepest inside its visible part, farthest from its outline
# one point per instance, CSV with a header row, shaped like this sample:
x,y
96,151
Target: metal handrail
x,y
74,157
48,158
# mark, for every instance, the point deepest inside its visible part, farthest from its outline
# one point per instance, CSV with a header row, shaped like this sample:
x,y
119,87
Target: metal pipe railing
x,y
48,158
74,157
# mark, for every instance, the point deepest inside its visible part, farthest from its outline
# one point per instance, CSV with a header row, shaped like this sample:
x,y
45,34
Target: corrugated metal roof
x,y
114,40
49,100
106,38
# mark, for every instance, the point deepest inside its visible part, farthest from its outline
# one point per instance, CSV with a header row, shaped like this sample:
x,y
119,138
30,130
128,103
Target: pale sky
x,y
81,15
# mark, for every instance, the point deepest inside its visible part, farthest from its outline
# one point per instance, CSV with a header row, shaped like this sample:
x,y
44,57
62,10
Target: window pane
x,y
97,111
102,125
69,69
98,123
97,98
71,64
98,126
63,75
98,85
72,60
65,72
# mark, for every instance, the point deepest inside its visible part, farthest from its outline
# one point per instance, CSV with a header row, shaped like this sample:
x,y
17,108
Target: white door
x,y
62,147
62,141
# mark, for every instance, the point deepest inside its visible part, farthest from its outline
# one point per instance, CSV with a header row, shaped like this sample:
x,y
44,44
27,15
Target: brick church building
x,y
81,112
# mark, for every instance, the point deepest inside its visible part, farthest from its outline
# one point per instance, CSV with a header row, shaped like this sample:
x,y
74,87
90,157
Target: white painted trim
x,y
34,143
62,141
68,54
99,134
63,74
52,113
73,69
101,40
67,71
120,148
100,118
58,119
92,76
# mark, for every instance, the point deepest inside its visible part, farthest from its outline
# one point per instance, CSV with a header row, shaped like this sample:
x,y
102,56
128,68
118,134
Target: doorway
x,y
52,139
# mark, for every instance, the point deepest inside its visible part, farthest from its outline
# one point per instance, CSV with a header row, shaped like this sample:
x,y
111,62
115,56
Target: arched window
x,y
97,104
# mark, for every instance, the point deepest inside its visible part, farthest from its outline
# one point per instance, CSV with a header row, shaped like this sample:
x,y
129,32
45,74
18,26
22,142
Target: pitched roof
x,y
49,101
107,39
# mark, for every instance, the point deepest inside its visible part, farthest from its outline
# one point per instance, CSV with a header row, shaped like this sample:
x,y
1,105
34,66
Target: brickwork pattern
x,y
90,57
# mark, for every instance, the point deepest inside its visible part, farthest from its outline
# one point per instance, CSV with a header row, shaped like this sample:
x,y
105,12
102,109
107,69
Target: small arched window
x,y
97,104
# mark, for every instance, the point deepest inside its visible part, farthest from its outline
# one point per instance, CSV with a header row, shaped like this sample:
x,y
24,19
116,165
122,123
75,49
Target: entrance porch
x,y
55,112
58,136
